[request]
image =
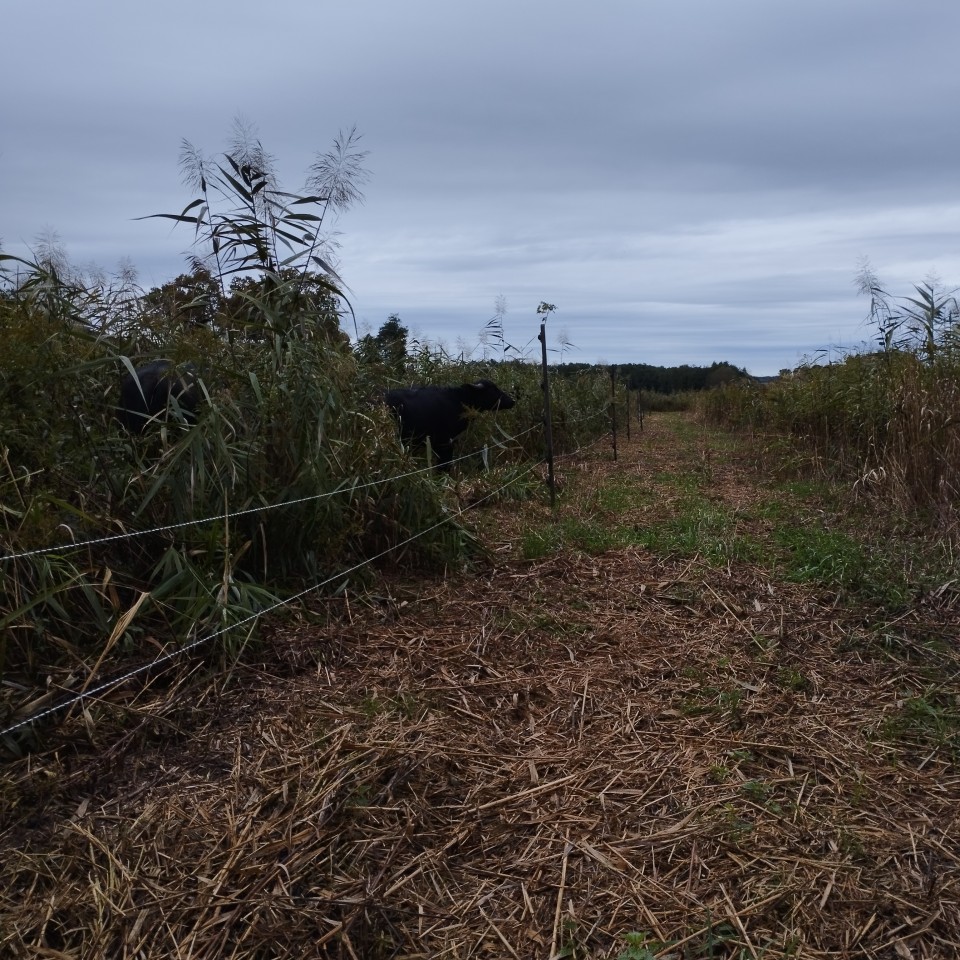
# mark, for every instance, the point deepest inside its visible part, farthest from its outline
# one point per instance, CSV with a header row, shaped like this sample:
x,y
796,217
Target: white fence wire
x,y
180,651
170,656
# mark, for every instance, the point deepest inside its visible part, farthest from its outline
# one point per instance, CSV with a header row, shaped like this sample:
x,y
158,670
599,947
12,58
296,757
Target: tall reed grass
x,y
887,421
291,435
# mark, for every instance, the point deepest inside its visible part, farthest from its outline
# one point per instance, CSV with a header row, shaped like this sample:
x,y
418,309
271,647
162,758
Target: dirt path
x,y
563,756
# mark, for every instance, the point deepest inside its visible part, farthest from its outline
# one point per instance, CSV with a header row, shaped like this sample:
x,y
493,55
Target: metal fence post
x,y
547,416
613,407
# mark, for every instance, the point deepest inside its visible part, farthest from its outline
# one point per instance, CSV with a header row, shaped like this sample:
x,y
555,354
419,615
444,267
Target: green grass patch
x,y
819,536
688,482
701,527
622,494
803,529
931,720
836,559
587,536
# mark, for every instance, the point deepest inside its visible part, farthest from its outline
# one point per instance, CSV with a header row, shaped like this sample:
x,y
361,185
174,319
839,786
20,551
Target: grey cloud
x,y
704,174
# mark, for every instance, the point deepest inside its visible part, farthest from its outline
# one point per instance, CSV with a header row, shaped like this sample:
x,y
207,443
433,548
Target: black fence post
x,y
547,416
613,407
627,418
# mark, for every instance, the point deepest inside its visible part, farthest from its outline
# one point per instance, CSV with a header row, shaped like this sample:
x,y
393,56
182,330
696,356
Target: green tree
x,y
259,307
388,348
192,298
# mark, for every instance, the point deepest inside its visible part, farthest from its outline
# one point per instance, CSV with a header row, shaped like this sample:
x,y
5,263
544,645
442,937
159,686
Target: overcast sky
x,y
687,180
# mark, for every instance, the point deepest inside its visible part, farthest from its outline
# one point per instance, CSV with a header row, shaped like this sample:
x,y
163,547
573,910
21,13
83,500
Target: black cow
x,y
148,394
440,413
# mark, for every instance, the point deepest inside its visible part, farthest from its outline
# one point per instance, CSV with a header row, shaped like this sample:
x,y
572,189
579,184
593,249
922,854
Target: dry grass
x,y
529,762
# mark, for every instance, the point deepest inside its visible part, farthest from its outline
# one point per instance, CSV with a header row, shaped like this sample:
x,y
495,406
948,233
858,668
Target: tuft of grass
x,y
702,527
834,558
789,678
639,946
930,720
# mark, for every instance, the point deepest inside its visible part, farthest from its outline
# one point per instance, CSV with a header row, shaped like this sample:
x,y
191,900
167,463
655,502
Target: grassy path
x,y
647,727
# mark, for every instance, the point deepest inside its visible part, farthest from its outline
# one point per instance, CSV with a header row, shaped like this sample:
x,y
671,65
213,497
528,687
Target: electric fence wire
x,y
180,651
581,449
587,418
264,508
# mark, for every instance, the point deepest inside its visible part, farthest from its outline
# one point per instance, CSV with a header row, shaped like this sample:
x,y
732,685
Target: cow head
x,y
484,395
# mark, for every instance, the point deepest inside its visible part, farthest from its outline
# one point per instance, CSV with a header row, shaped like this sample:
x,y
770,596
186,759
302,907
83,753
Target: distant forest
x,y
643,376
390,348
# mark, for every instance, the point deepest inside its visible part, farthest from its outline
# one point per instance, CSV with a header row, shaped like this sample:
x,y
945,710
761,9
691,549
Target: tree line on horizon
x,y
680,379
390,347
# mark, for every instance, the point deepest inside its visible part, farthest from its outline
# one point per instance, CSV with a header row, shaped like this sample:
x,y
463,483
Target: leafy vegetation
x,y
292,471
